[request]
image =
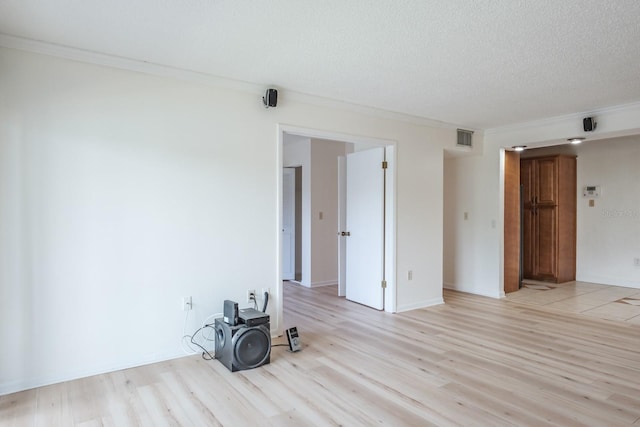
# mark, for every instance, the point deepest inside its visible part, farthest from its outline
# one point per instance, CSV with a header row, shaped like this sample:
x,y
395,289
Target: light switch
x,y
592,203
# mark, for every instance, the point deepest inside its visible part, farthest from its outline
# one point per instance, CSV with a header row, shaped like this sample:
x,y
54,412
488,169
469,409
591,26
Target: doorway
x,y
307,260
539,216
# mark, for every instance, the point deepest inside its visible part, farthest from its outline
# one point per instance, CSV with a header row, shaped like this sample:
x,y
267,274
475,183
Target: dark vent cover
x,y
464,137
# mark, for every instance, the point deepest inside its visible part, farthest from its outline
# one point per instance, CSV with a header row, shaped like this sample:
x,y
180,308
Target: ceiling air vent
x,y
464,138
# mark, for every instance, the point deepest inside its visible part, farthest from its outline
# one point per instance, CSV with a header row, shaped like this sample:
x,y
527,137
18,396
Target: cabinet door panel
x,y
545,264
528,243
547,173
527,180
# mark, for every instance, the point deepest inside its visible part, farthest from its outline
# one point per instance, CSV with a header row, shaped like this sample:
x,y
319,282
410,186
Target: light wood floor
x,y
473,361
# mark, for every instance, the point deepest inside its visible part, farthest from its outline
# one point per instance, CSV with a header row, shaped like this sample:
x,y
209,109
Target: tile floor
x,y
590,299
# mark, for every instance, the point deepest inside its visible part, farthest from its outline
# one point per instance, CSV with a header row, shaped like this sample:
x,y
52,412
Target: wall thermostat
x,y
591,191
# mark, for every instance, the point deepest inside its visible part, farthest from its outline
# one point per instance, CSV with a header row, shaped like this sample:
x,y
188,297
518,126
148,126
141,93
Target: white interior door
x,y
365,225
288,223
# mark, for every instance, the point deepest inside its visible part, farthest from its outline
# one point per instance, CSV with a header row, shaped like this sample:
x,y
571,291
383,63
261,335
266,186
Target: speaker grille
x,y
252,347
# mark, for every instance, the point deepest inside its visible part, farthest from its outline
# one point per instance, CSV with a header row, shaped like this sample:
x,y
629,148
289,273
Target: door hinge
x,y
384,284
384,164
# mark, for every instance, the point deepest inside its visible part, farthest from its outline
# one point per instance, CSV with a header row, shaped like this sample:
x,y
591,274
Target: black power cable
x,y
206,352
266,301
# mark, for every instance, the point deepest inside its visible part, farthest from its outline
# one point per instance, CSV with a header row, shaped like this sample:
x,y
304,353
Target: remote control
x,y
294,339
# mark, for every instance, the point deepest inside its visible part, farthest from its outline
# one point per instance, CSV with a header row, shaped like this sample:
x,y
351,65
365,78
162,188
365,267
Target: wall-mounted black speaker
x,y
589,124
242,347
270,98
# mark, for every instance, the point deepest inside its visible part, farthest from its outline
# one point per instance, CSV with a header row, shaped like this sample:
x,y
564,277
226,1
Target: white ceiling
x,y
478,64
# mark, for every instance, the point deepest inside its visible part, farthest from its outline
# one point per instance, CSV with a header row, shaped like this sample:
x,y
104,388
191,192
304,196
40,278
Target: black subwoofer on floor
x,y
242,346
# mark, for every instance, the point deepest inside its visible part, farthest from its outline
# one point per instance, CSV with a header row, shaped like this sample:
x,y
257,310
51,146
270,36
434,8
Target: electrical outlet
x,y
410,275
187,303
636,262
251,295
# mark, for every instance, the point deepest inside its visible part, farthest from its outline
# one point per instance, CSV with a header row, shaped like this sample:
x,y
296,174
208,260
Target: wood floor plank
x,y
471,361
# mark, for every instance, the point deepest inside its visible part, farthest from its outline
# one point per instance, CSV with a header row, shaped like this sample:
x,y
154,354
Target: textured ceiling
x,y
480,64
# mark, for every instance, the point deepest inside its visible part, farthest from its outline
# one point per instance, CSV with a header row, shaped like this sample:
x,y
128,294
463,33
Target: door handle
x,y
345,233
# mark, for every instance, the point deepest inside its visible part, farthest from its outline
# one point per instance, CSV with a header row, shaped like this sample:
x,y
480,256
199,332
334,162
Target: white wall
x,y
324,199
471,245
121,192
609,232
119,195
419,219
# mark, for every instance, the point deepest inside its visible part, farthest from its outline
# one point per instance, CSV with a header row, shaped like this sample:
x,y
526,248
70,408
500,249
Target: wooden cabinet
x,y
549,218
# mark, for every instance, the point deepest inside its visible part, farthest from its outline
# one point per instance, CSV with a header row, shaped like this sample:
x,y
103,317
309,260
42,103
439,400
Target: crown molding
x,y
123,63
371,111
113,61
552,121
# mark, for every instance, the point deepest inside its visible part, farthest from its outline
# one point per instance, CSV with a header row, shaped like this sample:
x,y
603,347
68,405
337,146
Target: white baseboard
x,y
420,304
324,283
611,281
316,284
41,381
496,294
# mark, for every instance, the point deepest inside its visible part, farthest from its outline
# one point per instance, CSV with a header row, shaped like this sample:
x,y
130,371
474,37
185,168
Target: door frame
x,y
512,232
390,203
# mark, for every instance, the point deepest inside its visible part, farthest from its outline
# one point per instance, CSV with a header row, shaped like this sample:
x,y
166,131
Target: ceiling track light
x,y
519,147
576,140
